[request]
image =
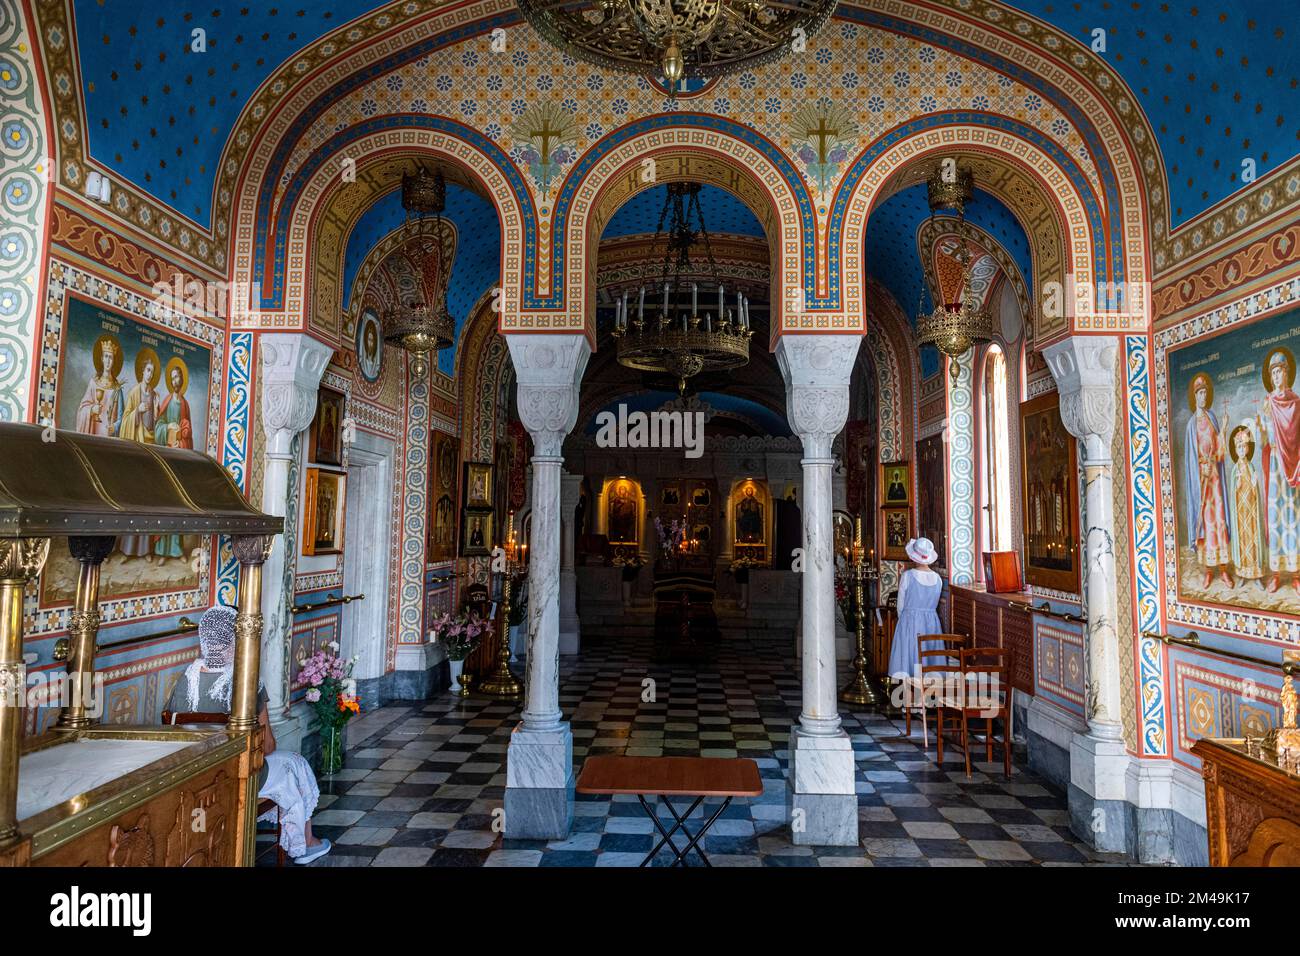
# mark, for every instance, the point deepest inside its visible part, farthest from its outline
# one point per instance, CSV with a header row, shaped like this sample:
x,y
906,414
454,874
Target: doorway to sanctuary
x,y
680,541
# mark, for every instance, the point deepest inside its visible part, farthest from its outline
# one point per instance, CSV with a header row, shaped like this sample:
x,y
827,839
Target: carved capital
x,y
816,369
1085,373
91,549
21,559
252,549
548,369
570,494
292,366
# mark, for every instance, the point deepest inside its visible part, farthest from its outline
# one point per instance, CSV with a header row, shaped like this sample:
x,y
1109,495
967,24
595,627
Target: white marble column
x,y
846,641
1085,372
570,631
823,795
291,370
539,763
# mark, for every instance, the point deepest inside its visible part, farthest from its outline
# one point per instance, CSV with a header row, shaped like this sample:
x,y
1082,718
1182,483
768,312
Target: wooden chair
x,y
985,693
934,661
264,805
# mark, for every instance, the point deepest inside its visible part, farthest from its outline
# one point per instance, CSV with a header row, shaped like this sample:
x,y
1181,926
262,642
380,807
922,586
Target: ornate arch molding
x,y
1082,235
1080,83
893,348
282,246
687,146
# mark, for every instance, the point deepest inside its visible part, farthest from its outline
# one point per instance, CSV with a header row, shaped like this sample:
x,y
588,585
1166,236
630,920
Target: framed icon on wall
x,y
325,437
323,509
476,534
898,529
478,485
895,484
1050,486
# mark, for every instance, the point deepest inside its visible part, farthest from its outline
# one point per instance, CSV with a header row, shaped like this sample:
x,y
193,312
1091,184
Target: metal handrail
x,y
1193,640
1045,609
63,647
330,602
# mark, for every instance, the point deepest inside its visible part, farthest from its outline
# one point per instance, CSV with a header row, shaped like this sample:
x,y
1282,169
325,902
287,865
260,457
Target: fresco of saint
x,y
1248,532
100,411
1279,422
138,422
1207,483
175,430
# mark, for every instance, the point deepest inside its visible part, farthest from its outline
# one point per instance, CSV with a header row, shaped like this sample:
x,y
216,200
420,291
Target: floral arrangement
x,y
671,536
742,564
460,635
330,688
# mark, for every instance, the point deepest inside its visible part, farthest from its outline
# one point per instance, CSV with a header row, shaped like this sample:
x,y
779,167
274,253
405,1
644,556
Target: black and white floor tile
x,y
423,783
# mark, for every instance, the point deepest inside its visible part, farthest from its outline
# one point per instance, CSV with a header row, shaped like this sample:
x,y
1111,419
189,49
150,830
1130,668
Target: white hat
x,y
921,550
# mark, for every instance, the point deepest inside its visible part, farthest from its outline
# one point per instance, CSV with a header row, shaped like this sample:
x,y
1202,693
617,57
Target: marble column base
x,y
1099,810
823,798
539,784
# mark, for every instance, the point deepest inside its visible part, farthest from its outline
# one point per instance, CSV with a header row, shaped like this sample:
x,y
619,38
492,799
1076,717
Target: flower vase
x,y
627,593
456,668
331,750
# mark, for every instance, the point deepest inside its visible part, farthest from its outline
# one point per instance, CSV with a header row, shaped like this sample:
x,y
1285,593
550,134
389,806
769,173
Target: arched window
x,y
997,453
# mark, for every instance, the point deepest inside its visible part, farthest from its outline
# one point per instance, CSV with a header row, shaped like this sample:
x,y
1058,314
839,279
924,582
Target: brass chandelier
x,y
683,38
423,325
679,341
953,327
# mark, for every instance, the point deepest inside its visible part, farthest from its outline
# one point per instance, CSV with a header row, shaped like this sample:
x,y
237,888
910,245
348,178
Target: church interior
x,y
587,433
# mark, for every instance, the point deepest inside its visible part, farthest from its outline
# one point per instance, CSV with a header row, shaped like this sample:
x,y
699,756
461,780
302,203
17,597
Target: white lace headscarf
x,y
216,654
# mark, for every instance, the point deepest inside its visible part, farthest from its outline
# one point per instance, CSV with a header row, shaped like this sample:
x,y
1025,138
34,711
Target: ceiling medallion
x,y
953,327
423,325
682,38
679,341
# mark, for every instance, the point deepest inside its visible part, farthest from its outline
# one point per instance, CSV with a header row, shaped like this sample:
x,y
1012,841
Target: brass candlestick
x,y
502,683
860,689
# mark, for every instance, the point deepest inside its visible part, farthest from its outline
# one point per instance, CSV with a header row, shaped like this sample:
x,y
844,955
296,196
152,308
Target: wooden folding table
x,y
665,777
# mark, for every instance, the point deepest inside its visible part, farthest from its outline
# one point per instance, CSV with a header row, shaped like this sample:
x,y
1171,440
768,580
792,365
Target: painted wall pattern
x,y
24,199
1146,561
961,465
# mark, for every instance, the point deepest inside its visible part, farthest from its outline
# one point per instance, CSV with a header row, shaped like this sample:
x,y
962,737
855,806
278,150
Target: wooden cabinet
x,y
992,622
1252,807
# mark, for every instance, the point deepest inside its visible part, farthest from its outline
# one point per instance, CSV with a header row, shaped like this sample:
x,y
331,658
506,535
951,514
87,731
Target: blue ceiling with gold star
x,y
476,268
722,211
158,113
1218,82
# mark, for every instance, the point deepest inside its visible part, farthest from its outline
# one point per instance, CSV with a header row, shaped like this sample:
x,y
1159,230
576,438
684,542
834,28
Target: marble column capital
x,y
816,369
1084,367
570,494
292,366
548,370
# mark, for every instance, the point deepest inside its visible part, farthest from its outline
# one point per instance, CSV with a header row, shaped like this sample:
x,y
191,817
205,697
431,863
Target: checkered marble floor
x,y
423,783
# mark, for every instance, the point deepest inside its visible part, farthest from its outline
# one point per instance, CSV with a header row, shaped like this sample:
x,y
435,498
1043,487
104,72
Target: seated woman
x,y
285,776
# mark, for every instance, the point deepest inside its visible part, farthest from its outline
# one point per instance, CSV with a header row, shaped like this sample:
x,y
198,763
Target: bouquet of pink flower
x,y
460,634
330,688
